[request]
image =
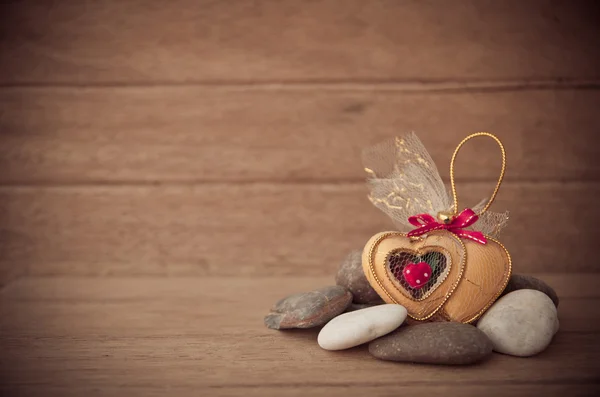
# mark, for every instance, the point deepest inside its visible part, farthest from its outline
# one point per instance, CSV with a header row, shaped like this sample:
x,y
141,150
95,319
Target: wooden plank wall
x,y
223,137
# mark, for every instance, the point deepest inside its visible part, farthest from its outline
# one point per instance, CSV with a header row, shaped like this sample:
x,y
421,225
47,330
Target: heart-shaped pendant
x,y
465,277
447,267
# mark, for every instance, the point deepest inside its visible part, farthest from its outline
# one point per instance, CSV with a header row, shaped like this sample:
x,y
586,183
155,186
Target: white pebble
x,y
521,323
361,326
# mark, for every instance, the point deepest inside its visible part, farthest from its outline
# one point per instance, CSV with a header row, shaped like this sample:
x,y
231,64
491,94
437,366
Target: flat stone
x,y
518,281
350,275
521,323
434,343
361,326
309,309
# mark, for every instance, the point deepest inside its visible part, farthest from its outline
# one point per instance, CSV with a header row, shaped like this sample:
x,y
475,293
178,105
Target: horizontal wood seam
x,y
408,85
75,184
410,383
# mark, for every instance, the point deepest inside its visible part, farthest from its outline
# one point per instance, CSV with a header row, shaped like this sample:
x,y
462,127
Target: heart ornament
x,y
448,267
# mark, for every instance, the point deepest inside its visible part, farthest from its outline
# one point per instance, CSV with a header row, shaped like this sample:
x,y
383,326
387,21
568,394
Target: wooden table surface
x,y
169,169
205,337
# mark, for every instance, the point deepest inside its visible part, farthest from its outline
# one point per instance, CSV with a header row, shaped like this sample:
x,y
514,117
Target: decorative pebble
x,y
309,309
518,281
361,326
521,323
351,276
434,343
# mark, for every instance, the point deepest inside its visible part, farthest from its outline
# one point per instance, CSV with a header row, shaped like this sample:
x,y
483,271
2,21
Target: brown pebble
x,y
359,306
434,343
518,281
351,276
309,309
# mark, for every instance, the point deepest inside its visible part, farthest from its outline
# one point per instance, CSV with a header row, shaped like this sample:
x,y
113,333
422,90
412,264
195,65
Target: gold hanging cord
x,y
453,184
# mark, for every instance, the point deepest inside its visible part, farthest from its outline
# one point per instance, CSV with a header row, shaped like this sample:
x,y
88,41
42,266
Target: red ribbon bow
x,y
427,223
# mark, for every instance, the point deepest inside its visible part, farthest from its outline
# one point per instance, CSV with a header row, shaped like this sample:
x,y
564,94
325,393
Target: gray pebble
x,y
521,323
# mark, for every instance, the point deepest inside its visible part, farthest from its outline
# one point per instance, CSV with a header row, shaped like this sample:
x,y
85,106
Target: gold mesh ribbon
x,y
404,181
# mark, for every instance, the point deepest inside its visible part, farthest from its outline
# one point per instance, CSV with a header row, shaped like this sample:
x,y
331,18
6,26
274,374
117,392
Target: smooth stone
x,y
521,323
434,343
361,326
309,309
351,276
518,281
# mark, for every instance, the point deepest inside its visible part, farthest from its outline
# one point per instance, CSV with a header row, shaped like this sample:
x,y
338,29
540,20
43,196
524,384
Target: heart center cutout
x,y
417,274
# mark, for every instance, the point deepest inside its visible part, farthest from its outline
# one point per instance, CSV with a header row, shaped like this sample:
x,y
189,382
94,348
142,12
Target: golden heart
x,y
466,277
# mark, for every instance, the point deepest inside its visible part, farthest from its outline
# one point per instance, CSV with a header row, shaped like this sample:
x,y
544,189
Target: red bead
x,y
417,274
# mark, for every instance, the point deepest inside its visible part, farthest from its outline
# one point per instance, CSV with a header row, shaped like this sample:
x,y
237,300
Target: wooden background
x,y
152,147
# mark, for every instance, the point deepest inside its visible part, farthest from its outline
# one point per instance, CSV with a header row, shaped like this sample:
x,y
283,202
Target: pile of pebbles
x,y
521,323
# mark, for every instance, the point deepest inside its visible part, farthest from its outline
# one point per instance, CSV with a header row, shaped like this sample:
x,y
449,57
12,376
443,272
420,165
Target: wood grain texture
x,y
159,159
180,41
204,336
192,134
258,229
489,389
